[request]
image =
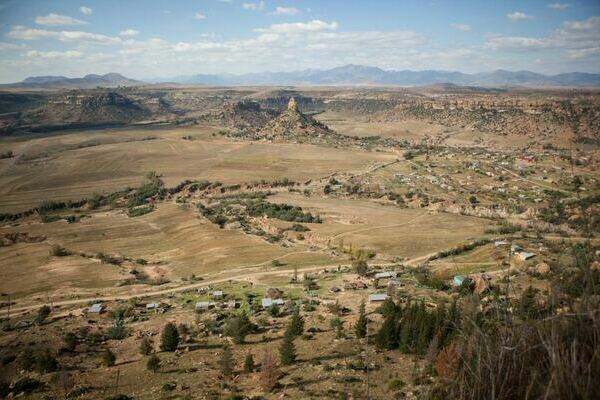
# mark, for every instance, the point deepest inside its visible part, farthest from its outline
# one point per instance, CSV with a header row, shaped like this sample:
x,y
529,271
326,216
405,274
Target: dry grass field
x,y
387,229
50,170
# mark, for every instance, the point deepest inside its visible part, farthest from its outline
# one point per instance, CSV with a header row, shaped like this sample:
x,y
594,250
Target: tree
x,y
337,324
43,313
145,347
361,325
287,350
387,336
70,341
270,373
249,363
169,339
296,326
153,363
109,358
226,361
238,327
361,267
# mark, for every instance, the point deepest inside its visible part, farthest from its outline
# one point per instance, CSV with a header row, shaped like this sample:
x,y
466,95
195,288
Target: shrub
x,y
26,385
70,341
45,362
109,358
249,363
58,251
145,347
153,363
43,313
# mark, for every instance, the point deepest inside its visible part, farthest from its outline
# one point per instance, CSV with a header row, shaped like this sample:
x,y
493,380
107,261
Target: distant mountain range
x,y
351,75
362,75
87,82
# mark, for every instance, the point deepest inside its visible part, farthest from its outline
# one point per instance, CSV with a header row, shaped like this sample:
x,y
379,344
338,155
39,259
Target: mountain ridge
x,y
348,75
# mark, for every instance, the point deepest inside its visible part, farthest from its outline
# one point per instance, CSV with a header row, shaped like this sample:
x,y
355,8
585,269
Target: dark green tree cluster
x,y
169,339
412,327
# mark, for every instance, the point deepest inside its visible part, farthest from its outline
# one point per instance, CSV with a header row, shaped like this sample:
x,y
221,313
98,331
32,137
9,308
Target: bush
x,y
153,363
109,358
45,362
145,347
70,341
117,331
26,385
58,251
43,313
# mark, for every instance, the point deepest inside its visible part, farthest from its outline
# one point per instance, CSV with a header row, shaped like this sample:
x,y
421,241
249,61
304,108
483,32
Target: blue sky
x,y
152,38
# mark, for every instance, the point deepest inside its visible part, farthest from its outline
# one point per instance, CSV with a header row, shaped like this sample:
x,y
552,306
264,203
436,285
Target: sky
x,y
149,39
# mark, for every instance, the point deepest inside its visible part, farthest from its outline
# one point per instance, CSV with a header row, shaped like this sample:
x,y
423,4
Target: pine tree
x,y
361,325
153,363
170,338
387,336
296,327
145,347
109,358
226,361
287,351
249,363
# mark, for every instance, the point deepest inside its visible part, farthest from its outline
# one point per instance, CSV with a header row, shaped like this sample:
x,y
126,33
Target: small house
x,y
202,306
96,308
385,275
152,306
268,302
232,304
378,297
500,243
217,294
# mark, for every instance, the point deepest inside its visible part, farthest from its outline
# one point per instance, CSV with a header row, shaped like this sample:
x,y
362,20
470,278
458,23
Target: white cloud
x,y
575,39
254,6
518,16
286,11
129,32
559,6
461,27
516,43
10,46
298,27
86,10
21,32
54,54
58,20
199,15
